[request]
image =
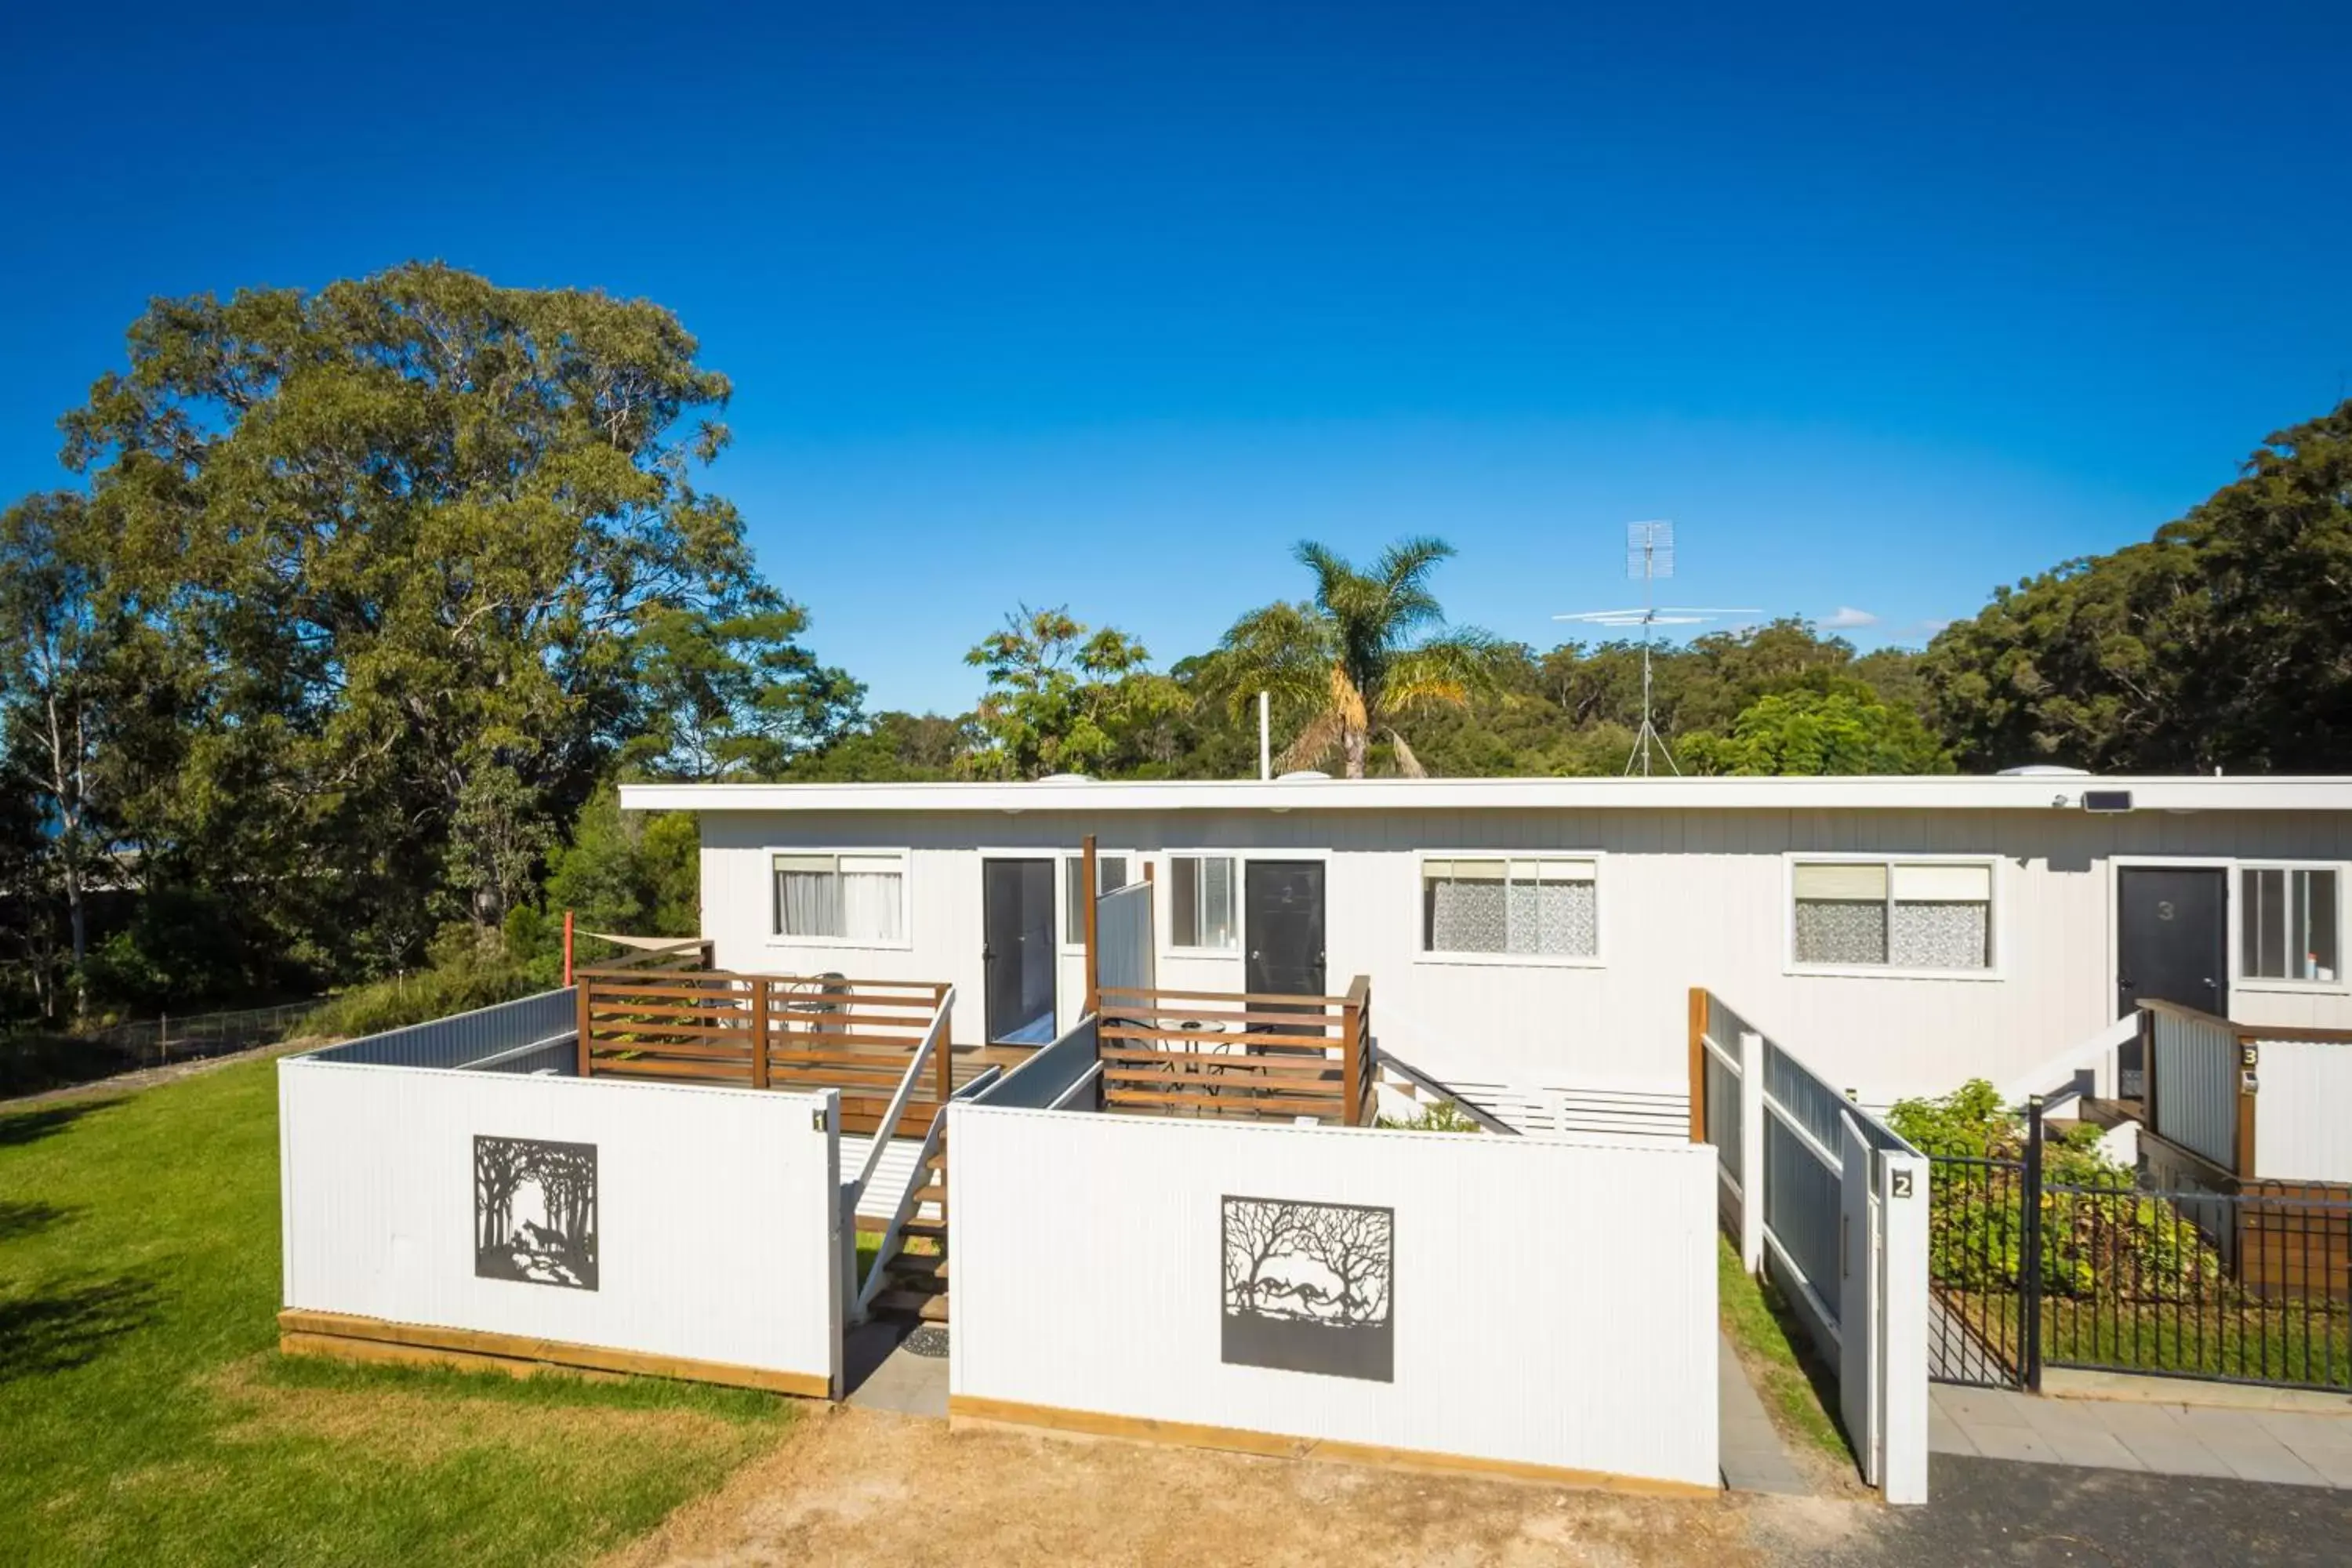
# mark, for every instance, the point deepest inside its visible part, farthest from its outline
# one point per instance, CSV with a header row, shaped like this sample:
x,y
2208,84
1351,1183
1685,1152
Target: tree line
x,y
320,663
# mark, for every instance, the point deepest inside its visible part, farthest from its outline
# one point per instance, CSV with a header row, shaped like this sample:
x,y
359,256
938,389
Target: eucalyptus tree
x,y
1369,649
411,533
63,637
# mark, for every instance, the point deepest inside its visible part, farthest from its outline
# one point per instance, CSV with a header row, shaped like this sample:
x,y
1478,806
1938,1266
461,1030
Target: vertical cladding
x,y
713,1211
1040,1321
1684,897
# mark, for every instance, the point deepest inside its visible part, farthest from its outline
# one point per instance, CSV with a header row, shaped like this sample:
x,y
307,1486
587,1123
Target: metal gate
x,y
1983,1260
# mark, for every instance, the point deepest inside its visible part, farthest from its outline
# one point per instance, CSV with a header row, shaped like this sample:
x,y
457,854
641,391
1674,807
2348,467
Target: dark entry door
x,y
1282,919
2172,937
1016,917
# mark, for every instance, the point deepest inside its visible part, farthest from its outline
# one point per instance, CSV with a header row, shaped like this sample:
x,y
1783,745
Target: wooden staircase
x,y
914,1271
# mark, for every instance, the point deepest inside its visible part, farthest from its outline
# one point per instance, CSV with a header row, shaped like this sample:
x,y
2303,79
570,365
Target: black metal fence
x,y
2253,1285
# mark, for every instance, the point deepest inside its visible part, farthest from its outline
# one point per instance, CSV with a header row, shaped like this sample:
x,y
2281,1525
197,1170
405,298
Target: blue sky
x,y
1107,305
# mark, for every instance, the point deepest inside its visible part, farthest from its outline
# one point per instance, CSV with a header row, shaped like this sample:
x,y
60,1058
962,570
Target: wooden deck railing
x,y
768,1031
1211,1053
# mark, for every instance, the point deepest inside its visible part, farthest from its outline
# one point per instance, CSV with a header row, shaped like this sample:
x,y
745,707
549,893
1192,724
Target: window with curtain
x,y
841,898
1111,871
1541,907
1894,914
2287,921
1200,901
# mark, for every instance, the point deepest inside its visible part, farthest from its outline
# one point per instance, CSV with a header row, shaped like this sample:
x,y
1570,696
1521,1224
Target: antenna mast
x,y
1650,555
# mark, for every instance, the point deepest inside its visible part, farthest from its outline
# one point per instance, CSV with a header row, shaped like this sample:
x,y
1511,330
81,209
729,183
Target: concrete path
x,y
1982,1514
2290,1447
882,1373
1753,1458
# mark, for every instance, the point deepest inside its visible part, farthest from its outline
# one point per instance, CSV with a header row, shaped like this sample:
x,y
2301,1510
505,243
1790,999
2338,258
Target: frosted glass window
x,y
841,898
1200,901
1538,906
2287,921
1895,914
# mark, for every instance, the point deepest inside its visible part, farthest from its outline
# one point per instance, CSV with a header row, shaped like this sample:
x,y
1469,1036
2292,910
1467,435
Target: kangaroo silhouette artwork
x,y
535,1212
1307,1287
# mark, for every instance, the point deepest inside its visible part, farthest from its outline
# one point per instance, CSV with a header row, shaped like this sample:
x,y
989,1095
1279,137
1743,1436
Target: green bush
x,y
466,971
1444,1117
2100,1234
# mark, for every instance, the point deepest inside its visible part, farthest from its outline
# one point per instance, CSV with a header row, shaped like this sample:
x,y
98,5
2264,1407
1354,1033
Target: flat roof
x,y
2026,792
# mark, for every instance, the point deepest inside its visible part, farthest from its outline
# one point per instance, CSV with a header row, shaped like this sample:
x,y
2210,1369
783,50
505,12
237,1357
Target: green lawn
x,y
1789,1377
145,1417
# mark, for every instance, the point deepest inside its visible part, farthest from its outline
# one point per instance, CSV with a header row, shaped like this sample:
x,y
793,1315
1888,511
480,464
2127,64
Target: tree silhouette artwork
x,y
1307,1287
535,1212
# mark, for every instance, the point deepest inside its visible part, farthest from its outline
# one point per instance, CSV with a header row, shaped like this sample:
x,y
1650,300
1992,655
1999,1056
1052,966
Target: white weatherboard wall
x,y
718,1210
2302,1132
1553,1299
1686,897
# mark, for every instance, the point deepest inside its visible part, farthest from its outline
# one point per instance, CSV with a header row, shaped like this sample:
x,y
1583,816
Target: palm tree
x,y
1369,648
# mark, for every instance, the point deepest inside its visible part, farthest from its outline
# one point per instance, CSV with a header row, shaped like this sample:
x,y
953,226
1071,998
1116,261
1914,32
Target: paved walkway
x,y
1752,1456
2287,1447
882,1373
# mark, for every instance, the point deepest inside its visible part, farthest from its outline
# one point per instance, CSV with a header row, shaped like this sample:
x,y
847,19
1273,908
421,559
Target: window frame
x,y
2239,979
1996,965
906,858
1166,874
1597,959
1075,945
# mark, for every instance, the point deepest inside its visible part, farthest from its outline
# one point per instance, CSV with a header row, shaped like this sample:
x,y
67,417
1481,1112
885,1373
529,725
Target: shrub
x,y
2100,1234
466,971
1442,1117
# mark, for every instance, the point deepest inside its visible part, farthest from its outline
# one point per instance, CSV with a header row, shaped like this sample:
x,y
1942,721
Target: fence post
x,y
1351,1058
1903,1319
580,986
1751,1150
2028,1255
1698,1064
759,1031
944,1084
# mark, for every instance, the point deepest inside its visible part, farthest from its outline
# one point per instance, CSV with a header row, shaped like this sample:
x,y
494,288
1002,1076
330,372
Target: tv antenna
x,y
1650,555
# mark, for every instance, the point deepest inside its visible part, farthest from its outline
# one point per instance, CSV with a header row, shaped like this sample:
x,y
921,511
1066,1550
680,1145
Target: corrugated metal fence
x,y
483,1039
1125,957
2195,1058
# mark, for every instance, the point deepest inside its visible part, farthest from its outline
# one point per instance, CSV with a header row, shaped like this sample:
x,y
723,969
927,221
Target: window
x,y
1894,914
842,897
1200,895
2286,921
1538,908
1111,871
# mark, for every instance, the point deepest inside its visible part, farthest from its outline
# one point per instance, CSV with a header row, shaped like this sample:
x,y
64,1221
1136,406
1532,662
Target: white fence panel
x,y
1125,954
1549,1302
2302,1130
2196,1066
1834,1204
717,1211
1629,1114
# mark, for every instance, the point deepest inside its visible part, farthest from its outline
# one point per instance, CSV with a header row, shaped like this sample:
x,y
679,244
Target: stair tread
x,y
930,1309
938,1227
921,1265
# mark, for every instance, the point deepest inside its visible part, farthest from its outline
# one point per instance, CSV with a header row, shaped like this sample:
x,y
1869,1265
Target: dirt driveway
x,y
856,1487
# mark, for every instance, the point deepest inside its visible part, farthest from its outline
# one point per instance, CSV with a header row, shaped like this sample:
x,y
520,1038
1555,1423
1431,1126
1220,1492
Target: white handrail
x,y
2056,1076
906,1091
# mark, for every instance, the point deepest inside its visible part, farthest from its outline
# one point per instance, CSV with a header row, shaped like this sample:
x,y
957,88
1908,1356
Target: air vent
x,y
2106,799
